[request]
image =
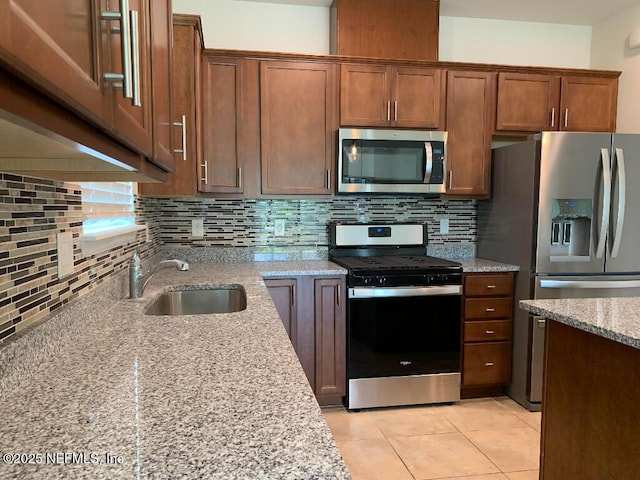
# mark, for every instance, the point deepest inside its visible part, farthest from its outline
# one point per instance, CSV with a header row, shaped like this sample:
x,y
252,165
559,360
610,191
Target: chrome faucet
x,y
138,280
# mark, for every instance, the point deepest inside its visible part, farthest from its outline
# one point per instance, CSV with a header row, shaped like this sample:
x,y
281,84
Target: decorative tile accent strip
x,y
32,212
250,223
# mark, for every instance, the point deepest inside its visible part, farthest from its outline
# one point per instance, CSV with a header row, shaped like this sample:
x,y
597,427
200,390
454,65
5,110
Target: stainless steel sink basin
x,y
225,299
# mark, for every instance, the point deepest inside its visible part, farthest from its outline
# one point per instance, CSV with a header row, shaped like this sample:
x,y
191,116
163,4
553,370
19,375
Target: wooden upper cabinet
x,y
161,43
58,45
527,102
298,124
230,123
536,102
187,47
400,29
384,96
588,104
132,122
470,103
72,51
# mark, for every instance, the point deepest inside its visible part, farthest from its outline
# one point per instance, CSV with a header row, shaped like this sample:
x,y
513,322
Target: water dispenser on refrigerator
x,y
571,229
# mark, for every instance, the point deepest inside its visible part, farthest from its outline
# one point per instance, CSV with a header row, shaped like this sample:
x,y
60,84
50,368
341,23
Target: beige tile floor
x,y
480,439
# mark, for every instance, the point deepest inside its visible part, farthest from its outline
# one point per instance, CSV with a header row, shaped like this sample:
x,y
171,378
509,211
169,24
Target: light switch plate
x,y
197,228
65,253
444,225
279,228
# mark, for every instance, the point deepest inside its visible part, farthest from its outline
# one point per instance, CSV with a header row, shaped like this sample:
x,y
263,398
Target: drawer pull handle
x,y
489,332
488,364
490,309
491,286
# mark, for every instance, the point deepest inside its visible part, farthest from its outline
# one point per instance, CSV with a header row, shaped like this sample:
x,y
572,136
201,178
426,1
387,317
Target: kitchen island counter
x,y
590,412
617,319
112,393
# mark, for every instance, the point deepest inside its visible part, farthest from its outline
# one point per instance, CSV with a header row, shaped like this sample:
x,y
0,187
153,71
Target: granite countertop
x,y
199,396
617,319
479,265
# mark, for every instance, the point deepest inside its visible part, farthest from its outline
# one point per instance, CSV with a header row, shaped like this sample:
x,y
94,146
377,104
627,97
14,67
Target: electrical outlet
x,y
65,254
197,228
279,228
444,225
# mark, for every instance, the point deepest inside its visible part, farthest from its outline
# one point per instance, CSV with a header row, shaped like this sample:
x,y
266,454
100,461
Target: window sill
x,y
93,244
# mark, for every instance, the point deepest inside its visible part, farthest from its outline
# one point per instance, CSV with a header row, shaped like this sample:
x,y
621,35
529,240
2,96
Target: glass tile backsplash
x,y
33,211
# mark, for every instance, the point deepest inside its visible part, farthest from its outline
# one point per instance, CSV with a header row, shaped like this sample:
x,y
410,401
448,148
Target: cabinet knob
x,y
490,309
488,364
491,286
489,332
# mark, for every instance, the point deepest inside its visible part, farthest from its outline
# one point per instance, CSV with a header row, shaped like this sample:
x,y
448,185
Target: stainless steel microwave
x,y
391,161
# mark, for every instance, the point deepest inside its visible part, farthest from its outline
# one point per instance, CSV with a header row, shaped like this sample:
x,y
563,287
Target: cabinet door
x,y
132,123
58,45
527,102
589,104
418,98
364,95
288,295
222,108
297,111
470,125
187,44
161,42
283,294
330,336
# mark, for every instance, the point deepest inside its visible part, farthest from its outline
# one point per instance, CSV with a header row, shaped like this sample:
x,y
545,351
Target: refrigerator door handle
x,y
589,283
622,180
606,202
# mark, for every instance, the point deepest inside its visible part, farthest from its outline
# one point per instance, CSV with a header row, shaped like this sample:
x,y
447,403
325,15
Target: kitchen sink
x,y
226,299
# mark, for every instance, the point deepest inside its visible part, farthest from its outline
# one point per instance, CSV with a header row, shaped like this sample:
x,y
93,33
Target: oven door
x,y
401,340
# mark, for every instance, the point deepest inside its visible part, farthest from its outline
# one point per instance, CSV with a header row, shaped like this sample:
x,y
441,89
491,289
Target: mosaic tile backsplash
x,y
33,211
251,223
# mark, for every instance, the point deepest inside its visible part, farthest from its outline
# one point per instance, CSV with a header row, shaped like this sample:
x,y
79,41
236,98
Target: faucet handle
x,y
135,258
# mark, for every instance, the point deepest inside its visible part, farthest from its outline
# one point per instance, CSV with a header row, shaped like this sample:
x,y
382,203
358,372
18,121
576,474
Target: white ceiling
x,y
576,12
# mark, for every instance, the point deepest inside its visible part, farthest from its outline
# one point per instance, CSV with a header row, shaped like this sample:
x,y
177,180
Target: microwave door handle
x,y
428,167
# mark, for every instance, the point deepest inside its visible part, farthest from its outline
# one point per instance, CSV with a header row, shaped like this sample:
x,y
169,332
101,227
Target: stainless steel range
x,y
403,316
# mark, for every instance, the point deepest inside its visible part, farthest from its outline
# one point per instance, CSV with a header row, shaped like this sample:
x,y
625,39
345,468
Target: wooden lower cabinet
x,y
487,329
590,412
313,311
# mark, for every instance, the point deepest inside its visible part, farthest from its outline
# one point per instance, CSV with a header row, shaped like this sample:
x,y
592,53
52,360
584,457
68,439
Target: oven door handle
x,y
382,292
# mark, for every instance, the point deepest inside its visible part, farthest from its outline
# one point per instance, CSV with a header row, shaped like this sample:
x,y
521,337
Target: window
x,y
108,216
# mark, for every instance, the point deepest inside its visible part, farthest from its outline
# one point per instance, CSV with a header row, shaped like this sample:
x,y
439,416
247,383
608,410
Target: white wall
x,y
611,52
508,42
247,25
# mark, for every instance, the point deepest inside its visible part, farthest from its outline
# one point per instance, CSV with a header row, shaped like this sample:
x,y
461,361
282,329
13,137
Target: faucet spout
x,y
138,281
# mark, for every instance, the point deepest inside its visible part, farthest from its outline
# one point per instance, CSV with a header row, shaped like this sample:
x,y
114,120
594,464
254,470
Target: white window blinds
x,y
107,207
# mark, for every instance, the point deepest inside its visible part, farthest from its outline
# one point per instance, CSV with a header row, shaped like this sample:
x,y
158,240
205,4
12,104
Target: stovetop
x,y
396,262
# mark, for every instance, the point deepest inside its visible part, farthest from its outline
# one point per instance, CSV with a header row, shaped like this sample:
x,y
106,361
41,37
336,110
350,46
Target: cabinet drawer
x,y
487,331
488,307
487,363
488,285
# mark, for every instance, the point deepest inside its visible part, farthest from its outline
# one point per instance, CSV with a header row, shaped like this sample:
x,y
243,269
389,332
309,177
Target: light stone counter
x,y
617,319
480,265
200,396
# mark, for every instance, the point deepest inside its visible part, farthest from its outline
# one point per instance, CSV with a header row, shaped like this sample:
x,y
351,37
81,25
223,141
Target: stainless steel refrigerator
x,y
565,207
